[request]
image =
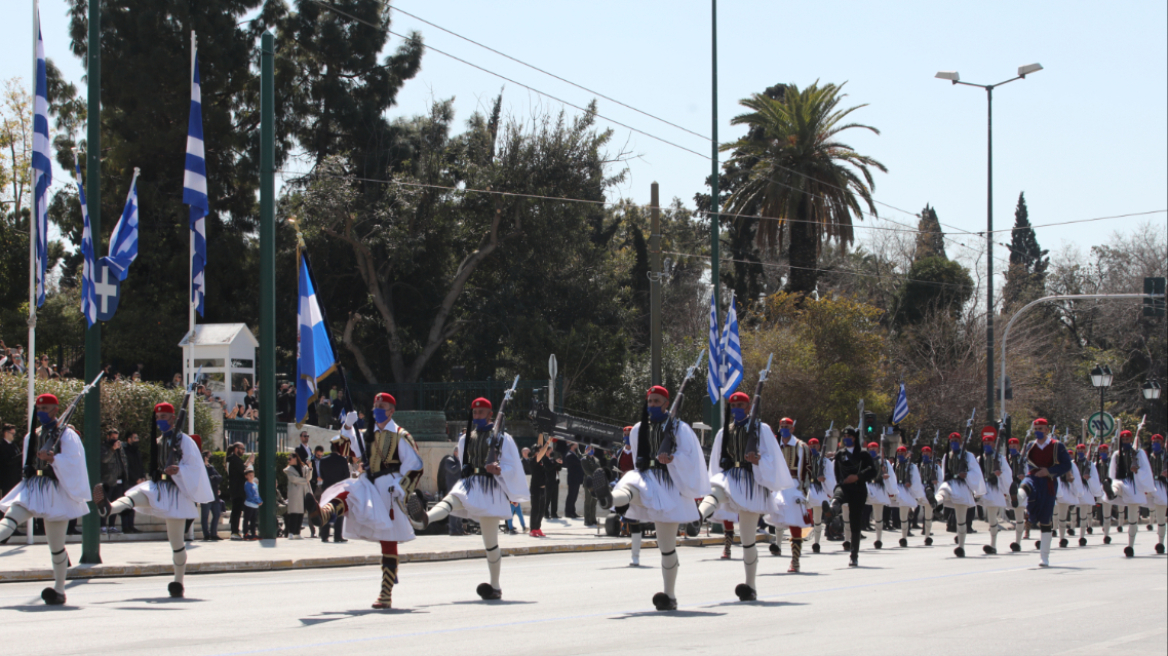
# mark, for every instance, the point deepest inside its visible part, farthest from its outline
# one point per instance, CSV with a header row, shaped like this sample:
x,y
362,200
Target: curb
x,y
268,565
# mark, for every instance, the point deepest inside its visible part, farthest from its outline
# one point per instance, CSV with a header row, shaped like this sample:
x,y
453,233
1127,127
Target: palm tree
x,y
790,169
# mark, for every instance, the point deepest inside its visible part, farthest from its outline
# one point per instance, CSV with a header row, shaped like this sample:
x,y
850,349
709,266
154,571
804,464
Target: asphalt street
x,y
900,601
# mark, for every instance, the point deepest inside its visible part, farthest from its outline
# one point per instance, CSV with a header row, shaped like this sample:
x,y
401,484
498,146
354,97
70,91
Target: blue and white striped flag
x,y
195,192
901,409
315,359
88,296
714,371
731,352
124,242
42,166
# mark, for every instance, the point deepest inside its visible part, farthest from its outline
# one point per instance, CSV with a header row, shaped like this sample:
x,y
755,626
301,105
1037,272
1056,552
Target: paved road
x,y
901,601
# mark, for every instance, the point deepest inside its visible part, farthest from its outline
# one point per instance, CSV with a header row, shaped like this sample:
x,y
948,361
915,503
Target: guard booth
x,y
227,354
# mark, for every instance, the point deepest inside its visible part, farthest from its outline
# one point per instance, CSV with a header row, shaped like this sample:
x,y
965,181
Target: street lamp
x,y
1101,377
1151,390
955,78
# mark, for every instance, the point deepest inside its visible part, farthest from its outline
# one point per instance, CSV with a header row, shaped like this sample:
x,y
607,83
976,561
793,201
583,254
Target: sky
x,y
1086,137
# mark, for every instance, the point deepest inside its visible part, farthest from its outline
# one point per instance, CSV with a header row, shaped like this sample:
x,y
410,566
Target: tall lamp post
x,y
1101,378
1151,392
953,77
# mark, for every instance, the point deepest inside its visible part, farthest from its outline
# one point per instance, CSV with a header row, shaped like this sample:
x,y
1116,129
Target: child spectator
x,y
251,504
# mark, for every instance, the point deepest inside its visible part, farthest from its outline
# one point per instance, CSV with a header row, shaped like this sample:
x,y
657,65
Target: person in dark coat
x,y
235,487
135,474
854,469
333,469
10,460
302,451
552,464
575,479
538,485
449,472
209,512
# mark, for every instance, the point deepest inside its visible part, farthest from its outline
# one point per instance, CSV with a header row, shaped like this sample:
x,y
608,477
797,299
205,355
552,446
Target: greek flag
x,y
731,352
195,192
124,242
42,166
315,359
714,371
88,296
901,409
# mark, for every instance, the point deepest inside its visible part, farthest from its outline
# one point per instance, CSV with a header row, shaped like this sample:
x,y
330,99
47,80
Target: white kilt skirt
x,y
482,495
372,512
790,509
744,494
164,500
656,500
44,499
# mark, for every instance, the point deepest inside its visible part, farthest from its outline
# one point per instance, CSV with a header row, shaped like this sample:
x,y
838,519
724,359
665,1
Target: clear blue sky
x,y
1085,137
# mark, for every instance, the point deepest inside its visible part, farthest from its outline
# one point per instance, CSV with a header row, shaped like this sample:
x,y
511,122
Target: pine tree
x,y
1026,277
930,239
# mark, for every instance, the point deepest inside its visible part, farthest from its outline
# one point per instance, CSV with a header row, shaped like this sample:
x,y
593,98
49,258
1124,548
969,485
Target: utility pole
x,y
267,371
655,283
716,420
90,528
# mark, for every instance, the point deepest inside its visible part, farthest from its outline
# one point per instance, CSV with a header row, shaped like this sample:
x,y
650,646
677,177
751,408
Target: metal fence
x,y
453,398
247,431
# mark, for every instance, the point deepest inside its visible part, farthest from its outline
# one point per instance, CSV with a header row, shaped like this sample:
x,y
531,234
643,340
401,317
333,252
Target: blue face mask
x,y
739,414
1157,447
872,453
926,459
380,415
45,418
785,432
1039,435
815,450
163,425
1127,446
989,449
1013,451
899,458
955,446
481,424
848,442
657,414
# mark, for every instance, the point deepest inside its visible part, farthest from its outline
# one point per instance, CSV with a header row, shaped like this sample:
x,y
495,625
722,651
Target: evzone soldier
x,y
492,479
1088,488
178,484
662,485
962,485
1065,503
1103,465
907,482
821,489
995,469
1158,497
744,470
1131,481
789,505
930,473
854,468
881,491
379,504
54,488
1018,472
1045,461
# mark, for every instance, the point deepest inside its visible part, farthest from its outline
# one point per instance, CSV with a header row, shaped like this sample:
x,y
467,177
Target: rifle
x,y
495,448
52,440
962,466
754,425
171,441
669,438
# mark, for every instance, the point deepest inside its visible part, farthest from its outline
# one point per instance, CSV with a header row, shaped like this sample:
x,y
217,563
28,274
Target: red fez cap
x,y
628,428
386,397
813,441
739,397
873,445
988,439
1124,434
1157,438
657,389
902,449
198,441
1105,447
954,436
1012,440
480,403
164,407
786,420
926,449
1041,422
47,399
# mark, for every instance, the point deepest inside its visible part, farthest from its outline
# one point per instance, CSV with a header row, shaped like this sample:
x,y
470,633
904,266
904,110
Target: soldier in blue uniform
x,y
1044,460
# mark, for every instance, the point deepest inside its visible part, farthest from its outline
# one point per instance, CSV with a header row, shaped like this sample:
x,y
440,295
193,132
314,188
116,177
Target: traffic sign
x,y
1101,424
990,432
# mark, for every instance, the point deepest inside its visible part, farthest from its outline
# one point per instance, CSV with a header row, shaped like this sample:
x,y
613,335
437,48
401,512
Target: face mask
x,y
739,414
955,446
1127,446
785,432
1013,451
900,458
380,415
848,442
1039,435
1157,447
44,418
163,425
815,450
872,453
657,414
989,450
926,459
480,424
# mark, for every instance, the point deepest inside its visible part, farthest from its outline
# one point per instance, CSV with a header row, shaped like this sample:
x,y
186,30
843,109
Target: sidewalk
x,y
21,562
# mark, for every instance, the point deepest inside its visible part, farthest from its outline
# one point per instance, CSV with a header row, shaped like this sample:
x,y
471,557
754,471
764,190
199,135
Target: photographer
x,y
854,469
114,474
538,485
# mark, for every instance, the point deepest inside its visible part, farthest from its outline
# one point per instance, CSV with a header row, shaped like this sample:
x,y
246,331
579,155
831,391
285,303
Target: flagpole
x,y
32,241
91,535
188,365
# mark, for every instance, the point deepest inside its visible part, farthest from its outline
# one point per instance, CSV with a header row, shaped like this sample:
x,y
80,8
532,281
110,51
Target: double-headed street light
x,y
953,77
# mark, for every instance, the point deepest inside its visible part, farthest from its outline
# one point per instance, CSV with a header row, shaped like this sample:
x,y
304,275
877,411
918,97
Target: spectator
x,y
135,474
538,485
324,413
449,472
236,480
590,463
114,474
297,475
176,382
209,513
42,370
302,449
338,406
360,424
625,459
251,504
317,456
10,461
575,479
251,401
136,377
333,470
332,393
286,404
553,463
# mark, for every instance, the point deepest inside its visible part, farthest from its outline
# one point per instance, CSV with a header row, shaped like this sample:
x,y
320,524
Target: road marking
x,y
1107,645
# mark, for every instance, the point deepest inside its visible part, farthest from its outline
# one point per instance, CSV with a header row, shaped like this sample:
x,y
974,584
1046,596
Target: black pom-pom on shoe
x,y
662,601
52,597
744,592
488,592
175,589
959,552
